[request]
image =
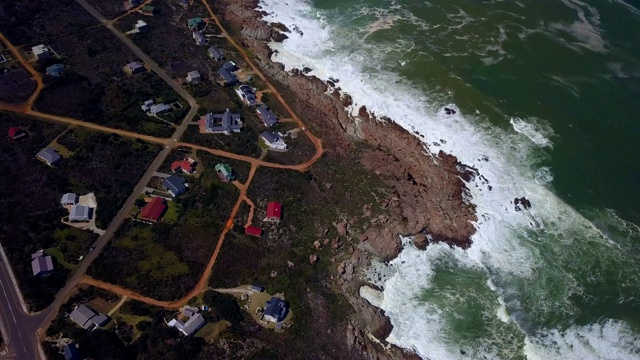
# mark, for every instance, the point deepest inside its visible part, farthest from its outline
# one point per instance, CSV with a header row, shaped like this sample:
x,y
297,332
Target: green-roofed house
x,y
195,24
224,172
148,10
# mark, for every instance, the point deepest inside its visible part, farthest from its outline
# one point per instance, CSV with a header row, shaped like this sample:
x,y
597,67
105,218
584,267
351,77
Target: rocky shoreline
x,y
427,193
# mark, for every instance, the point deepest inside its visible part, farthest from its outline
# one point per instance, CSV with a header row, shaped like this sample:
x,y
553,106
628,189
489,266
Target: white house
x,y
140,25
159,109
41,52
274,141
199,38
146,106
193,77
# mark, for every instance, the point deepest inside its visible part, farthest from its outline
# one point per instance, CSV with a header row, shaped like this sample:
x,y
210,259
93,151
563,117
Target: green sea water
x,y
547,95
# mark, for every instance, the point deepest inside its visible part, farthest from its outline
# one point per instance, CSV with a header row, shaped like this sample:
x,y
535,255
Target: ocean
x,y
547,100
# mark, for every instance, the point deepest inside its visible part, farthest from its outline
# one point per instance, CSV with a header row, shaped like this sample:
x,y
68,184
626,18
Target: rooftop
x,y
49,155
276,309
268,117
274,210
41,264
226,122
154,209
175,185
253,231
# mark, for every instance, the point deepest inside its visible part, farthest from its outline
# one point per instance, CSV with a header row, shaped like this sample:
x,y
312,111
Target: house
x,y
184,166
16,133
246,94
224,172
175,185
49,155
134,68
148,10
267,117
189,311
228,77
226,123
154,210
140,25
79,213
274,211
69,199
275,309
253,231
230,66
159,109
41,264
199,38
87,318
41,52
146,106
71,352
274,141
55,70
193,77
256,288
215,53
195,24
190,327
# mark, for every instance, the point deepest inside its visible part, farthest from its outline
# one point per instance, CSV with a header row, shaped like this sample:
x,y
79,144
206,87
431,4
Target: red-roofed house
x,y
274,211
16,133
185,166
154,210
253,231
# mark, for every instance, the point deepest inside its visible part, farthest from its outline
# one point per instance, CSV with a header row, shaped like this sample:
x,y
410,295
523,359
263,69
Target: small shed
x,y
253,231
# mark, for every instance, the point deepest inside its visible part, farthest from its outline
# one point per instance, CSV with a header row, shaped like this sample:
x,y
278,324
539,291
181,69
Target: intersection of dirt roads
x,y
79,276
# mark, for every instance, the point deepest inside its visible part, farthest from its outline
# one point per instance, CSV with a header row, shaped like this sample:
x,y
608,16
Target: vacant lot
x,y
30,23
95,88
165,261
16,85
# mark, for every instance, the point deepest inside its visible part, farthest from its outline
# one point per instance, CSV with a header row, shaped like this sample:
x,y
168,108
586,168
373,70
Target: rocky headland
x,y
426,192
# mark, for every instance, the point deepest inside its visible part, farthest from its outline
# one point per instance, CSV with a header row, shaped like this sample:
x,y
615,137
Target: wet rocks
x,y
420,241
521,203
449,111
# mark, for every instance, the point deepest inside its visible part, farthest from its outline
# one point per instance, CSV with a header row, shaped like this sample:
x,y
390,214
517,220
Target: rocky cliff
x,y
426,192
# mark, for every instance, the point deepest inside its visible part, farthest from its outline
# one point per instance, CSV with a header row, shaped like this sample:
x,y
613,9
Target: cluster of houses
x,y
274,214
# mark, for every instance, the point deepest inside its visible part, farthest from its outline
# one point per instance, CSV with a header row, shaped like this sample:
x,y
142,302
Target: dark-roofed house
x,y
79,213
55,70
154,210
215,53
274,141
195,24
69,199
274,211
134,68
49,155
267,117
253,231
228,77
175,185
224,172
16,133
257,288
247,95
231,66
41,52
226,123
87,318
195,322
71,352
41,264
275,310
199,37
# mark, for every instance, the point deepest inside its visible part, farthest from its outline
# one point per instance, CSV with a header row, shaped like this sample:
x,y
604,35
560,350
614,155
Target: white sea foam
x,y
501,156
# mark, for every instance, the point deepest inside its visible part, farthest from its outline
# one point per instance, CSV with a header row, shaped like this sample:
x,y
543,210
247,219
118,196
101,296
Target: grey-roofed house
x,y
267,117
257,288
79,213
228,76
194,76
69,199
41,52
55,70
190,327
71,352
41,264
226,123
274,141
87,318
199,38
134,68
231,66
189,311
275,310
215,53
159,108
49,155
175,185
247,95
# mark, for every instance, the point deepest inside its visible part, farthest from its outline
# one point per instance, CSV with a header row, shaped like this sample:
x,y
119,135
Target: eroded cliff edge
x,y
427,193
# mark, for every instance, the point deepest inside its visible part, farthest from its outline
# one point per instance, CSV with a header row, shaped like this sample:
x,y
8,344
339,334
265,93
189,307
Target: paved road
x,y
17,326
